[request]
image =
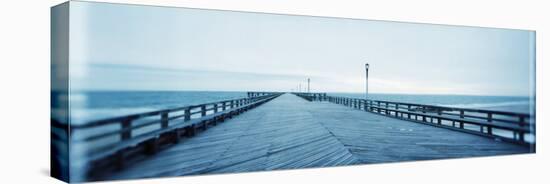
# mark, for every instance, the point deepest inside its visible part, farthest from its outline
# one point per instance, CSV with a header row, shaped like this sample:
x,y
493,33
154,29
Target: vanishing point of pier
x,y
270,131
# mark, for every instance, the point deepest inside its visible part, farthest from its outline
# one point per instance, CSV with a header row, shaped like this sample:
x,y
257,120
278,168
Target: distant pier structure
x,y
257,94
275,130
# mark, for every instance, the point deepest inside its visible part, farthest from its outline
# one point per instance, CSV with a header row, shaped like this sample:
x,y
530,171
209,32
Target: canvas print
x,y
148,91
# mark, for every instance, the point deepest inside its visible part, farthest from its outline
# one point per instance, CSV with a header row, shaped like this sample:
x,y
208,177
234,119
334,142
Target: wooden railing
x,y
124,138
312,96
258,93
505,126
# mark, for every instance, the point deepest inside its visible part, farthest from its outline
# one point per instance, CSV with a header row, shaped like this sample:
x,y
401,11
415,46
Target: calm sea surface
x,y
87,106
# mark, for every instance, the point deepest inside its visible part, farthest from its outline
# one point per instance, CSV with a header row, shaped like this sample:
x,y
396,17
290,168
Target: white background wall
x,y
24,98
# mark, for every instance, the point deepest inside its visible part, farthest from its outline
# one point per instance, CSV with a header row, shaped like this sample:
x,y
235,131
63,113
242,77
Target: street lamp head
x,y
367,66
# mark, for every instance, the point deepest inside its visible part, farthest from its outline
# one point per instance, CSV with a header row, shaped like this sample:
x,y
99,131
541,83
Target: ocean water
x,y
94,105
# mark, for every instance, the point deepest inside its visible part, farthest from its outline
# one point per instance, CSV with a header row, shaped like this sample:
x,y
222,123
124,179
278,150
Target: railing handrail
x,y
447,108
456,108
118,119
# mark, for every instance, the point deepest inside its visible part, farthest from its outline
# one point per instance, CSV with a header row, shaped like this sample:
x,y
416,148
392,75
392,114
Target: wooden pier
x,y
284,131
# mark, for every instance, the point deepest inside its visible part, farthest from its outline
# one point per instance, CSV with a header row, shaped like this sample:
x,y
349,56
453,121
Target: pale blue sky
x,y
126,47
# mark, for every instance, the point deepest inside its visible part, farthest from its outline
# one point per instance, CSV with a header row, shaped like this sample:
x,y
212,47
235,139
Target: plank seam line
x,y
220,156
335,137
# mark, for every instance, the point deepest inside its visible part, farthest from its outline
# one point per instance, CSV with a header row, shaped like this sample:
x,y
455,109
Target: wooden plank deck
x,y
290,132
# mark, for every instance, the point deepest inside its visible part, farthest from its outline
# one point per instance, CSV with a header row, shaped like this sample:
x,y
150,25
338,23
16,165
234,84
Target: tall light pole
x,y
308,85
366,81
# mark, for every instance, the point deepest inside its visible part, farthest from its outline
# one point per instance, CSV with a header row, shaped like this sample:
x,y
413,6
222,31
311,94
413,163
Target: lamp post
x,y
366,80
308,85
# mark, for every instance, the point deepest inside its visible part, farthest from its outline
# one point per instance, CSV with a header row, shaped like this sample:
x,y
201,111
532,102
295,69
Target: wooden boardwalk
x,y
290,132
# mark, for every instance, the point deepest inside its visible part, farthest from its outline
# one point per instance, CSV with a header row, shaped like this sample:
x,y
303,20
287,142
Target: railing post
x,y
215,107
408,109
126,131
461,117
223,106
489,120
369,104
396,110
164,119
378,107
231,104
423,112
187,114
396,106
521,134
439,118
203,110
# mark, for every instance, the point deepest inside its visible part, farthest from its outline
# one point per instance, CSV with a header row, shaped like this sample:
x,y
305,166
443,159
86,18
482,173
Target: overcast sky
x,y
121,47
